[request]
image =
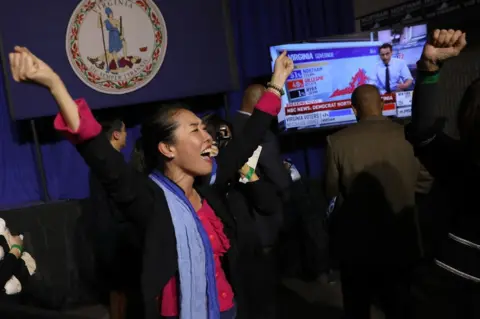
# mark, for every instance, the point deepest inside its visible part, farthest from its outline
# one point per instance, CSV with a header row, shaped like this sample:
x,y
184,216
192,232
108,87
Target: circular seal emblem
x,y
116,46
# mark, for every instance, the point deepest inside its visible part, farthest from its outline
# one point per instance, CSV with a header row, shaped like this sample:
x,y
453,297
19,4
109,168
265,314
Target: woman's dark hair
x,y
159,128
469,119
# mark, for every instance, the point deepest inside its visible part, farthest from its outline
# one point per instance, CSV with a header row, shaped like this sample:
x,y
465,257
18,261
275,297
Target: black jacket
x,y
258,277
143,203
115,242
453,226
270,168
270,164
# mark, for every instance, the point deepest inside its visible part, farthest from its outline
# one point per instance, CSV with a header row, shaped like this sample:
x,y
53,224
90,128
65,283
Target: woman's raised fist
x,y
26,67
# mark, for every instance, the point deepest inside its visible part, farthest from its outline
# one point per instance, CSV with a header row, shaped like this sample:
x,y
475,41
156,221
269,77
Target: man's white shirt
x,y
399,73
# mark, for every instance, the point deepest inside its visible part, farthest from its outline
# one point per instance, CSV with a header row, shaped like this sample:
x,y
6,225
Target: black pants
x,y
364,285
440,294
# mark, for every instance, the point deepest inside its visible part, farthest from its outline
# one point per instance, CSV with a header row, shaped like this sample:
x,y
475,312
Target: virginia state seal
x,y
116,46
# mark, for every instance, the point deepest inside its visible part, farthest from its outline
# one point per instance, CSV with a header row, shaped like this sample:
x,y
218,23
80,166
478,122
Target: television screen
x,y
328,71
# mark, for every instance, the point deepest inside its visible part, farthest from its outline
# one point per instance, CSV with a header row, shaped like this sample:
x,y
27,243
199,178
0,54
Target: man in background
x,y
371,175
270,164
270,167
114,240
392,74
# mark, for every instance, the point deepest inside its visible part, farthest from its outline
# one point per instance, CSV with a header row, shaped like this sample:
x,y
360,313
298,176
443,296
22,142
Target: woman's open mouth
x,y
206,155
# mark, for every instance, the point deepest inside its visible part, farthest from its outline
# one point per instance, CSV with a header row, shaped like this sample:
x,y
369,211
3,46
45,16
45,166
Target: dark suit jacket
x,y
451,216
115,241
270,168
258,278
143,203
372,170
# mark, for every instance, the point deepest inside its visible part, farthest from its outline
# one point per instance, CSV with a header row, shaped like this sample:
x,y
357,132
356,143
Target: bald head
x,y
366,101
252,94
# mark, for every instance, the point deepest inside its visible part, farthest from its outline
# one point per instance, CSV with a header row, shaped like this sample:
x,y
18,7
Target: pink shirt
x,y
220,245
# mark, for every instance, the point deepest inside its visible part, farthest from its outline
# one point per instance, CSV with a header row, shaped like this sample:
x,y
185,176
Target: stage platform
x,y
64,286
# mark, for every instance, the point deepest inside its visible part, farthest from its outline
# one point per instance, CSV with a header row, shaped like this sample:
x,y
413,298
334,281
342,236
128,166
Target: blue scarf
x,y
213,176
196,265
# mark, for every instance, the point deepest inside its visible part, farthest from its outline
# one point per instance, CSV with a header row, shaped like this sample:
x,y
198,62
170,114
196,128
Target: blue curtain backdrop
x,y
256,26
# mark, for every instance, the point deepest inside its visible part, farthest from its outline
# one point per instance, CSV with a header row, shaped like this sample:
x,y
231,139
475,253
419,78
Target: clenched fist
x,y
443,45
282,69
26,67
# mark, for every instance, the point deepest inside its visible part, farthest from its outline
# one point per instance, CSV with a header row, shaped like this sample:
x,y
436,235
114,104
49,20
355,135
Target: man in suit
x,y
371,176
115,241
270,164
270,167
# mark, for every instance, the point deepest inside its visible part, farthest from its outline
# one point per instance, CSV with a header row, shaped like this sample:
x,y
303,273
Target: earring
x,y
171,156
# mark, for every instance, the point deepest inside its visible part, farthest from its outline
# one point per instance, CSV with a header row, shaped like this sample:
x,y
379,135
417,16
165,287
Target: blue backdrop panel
x,y
19,182
256,25
197,58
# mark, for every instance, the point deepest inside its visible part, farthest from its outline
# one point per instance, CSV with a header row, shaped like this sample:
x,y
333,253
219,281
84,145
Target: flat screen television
x,y
328,70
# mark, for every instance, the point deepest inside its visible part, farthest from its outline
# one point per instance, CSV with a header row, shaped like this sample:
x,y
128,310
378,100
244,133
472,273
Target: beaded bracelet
x,y
276,88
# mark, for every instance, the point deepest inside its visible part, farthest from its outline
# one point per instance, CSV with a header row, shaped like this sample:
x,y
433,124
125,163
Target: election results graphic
x,y
325,75
330,74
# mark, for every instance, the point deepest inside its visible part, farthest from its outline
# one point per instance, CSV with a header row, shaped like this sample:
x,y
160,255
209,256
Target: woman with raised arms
x,y
189,253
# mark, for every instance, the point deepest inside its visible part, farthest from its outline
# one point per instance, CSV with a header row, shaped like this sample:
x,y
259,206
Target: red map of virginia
x,y
358,79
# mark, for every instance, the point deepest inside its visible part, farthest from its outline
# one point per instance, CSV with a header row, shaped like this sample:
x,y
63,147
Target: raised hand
x,y
26,67
244,172
282,69
16,240
443,45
